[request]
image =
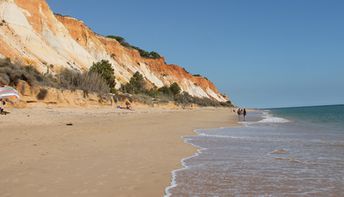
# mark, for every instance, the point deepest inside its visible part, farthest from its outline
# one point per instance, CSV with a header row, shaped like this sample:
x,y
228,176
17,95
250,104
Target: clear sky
x,y
266,53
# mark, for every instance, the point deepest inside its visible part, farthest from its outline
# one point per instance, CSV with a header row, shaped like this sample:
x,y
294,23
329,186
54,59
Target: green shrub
x,y
153,92
105,70
88,82
95,81
226,104
42,94
154,55
4,79
166,91
143,53
198,75
206,102
146,54
11,73
121,40
186,71
184,98
162,98
118,38
175,89
170,91
137,84
143,98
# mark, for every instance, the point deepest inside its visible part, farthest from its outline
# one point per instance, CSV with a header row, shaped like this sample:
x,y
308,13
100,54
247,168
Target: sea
x,y
295,151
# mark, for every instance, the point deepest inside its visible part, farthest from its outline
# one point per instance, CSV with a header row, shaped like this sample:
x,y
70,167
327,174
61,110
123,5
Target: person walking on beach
x,y
244,113
239,113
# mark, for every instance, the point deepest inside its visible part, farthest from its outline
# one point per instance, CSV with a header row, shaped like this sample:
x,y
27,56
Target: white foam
x,y
174,172
184,166
274,120
220,136
268,118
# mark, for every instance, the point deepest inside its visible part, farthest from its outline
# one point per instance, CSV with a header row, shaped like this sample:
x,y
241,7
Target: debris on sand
x,y
279,151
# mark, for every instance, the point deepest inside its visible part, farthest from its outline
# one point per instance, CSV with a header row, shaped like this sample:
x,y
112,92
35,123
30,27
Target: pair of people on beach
x,y
242,112
127,106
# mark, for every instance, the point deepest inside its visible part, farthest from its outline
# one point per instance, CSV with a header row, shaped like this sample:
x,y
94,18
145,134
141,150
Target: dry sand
x,y
105,152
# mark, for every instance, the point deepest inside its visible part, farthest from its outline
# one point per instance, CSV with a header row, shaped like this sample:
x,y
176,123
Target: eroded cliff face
x,y
30,33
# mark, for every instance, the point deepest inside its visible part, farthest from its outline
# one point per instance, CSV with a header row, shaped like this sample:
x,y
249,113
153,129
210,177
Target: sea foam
x,y
268,118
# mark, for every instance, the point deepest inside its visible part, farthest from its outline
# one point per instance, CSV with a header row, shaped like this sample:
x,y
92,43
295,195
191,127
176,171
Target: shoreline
x,y
199,150
173,183
224,165
104,152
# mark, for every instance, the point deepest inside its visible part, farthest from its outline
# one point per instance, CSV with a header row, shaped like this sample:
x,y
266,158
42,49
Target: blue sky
x,y
266,53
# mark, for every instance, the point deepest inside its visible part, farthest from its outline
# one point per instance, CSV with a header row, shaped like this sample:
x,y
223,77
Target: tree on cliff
x,y
170,91
120,39
143,53
175,89
154,55
137,84
165,90
105,70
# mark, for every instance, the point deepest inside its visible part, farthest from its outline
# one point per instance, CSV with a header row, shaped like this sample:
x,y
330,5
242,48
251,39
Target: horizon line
x,y
325,105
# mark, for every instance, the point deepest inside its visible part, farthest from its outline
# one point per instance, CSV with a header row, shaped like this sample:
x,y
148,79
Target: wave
x,y
269,118
220,136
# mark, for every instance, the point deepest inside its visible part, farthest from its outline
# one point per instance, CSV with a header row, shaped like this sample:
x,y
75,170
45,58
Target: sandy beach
x,y
97,151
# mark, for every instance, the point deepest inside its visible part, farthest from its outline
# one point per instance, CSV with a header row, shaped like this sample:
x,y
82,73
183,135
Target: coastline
x,y
105,152
280,150
199,150
173,183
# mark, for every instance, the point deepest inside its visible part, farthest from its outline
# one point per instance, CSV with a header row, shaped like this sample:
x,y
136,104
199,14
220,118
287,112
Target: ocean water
x,y
276,152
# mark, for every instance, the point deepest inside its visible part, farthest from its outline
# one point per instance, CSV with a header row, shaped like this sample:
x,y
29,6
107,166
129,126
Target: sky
x,y
266,53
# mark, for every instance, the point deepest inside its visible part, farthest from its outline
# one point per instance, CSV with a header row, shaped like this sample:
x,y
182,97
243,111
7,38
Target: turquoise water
x,y
277,152
330,115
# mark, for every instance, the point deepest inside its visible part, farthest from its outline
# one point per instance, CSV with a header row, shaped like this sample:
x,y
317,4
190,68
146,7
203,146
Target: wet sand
x,y
97,152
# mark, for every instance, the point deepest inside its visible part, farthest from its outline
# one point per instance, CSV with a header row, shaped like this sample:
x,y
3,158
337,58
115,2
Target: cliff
x,y
31,34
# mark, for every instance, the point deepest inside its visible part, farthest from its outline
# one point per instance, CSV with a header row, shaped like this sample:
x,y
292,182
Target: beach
x,y
276,152
49,151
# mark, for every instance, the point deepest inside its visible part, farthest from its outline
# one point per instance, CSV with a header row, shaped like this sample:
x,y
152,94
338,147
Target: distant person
x,y
128,105
2,106
239,113
244,113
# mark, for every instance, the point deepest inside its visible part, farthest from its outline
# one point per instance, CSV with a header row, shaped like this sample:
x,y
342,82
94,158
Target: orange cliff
x,y
30,33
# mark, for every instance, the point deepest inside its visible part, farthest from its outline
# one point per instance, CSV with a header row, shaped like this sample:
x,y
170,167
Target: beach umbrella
x,y
7,92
